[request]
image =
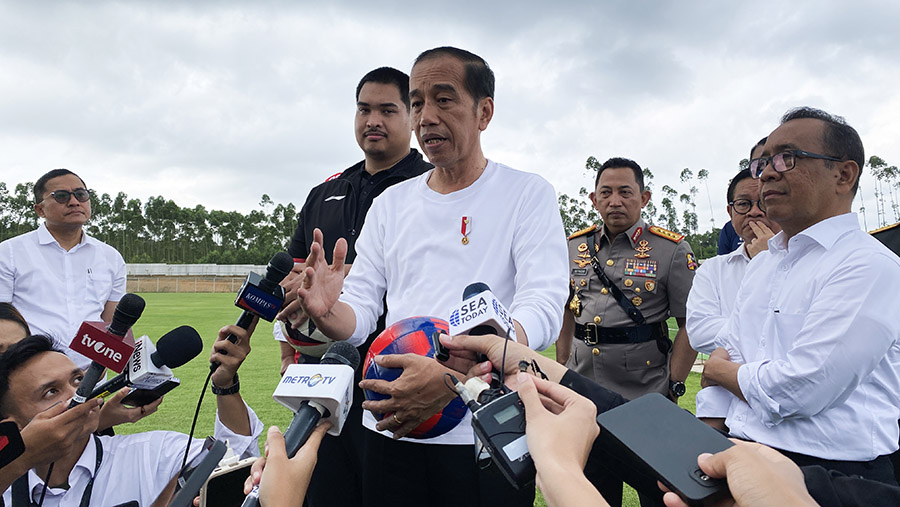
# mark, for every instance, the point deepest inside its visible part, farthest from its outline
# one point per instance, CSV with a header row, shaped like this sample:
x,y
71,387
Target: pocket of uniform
x,y
643,356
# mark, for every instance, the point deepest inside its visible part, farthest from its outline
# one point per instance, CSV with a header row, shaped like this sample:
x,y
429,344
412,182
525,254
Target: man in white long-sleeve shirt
x,y
468,220
812,350
714,291
110,470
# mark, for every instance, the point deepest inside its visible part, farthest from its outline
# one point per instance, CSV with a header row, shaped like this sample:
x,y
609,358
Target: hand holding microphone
x,y
260,296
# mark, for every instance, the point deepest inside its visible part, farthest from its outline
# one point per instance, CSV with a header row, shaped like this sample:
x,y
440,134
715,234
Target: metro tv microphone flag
x,y
150,365
261,296
313,392
106,346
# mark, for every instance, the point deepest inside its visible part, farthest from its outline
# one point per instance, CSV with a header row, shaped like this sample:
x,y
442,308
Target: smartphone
x,y
656,437
141,397
225,486
11,445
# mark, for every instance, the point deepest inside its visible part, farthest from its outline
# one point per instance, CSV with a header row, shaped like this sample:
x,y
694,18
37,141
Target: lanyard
x,y
22,497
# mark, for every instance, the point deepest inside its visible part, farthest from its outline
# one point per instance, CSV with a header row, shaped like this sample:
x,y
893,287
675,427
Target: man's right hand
x,y
52,433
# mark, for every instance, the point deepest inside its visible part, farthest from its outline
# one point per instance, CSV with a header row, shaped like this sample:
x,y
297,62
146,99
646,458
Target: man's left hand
x,y
113,413
417,394
719,354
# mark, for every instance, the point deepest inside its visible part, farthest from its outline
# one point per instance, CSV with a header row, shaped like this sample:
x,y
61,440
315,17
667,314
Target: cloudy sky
x,y
217,103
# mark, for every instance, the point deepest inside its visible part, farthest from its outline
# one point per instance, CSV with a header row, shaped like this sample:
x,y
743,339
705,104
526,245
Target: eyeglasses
x,y
743,206
784,161
63,196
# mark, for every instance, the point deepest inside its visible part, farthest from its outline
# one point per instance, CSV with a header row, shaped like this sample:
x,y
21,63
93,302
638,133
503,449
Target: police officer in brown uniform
x,y
621,339
626,279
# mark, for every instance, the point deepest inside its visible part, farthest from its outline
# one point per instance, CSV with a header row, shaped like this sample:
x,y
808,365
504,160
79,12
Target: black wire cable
x,y
187,449
46,480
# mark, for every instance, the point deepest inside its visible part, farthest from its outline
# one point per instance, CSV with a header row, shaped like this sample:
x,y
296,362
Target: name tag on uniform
x,y
640,267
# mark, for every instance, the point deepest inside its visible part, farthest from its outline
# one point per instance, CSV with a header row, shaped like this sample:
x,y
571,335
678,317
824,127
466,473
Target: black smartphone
x,y
655,436
141,397
11,445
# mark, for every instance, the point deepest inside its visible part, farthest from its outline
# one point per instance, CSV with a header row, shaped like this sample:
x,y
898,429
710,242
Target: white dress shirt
x,y
135,467
710,303
56,290
818,333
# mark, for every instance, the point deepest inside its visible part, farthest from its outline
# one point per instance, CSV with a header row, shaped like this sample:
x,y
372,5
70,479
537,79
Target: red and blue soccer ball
x,y
412,335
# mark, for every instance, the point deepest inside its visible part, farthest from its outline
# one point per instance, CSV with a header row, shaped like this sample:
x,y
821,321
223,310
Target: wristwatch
x,y
677,388
224,391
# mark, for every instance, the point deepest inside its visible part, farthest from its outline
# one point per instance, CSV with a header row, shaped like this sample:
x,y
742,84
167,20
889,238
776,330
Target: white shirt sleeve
x,y
540,257
705,314
366,283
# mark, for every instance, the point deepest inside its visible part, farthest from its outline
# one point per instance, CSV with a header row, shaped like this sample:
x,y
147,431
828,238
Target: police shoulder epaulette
x,y
885,228
666,233
584,231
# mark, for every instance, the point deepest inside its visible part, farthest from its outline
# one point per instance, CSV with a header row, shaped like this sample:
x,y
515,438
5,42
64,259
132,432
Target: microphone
x,y
481,313
106,346
261,296
172,350
314,391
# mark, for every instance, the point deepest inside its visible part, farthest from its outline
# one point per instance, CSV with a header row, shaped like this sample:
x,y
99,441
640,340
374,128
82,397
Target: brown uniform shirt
x,y
654,268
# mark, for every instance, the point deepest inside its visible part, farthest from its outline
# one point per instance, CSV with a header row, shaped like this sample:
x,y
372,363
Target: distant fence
x,y
188,277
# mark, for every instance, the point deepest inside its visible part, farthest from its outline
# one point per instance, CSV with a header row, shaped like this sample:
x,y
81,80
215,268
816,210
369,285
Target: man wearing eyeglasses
x,y
57,276
810,352
714,291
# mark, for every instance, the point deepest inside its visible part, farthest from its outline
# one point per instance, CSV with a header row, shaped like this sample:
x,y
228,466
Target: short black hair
x,y
9,313
479,79
762,142
17,355
619,163
743,174
40,186
840,139
387,75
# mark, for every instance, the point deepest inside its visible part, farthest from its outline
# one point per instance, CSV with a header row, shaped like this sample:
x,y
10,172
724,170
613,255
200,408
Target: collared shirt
x,y
56,290
713,296
135,467
710,303
818,334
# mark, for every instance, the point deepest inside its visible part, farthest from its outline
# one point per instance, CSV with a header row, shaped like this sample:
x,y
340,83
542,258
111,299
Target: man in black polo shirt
x,y
338,208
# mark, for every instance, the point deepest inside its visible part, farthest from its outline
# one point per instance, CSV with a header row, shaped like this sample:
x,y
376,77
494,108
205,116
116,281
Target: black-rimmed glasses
x,y
743,206
63,196
784,161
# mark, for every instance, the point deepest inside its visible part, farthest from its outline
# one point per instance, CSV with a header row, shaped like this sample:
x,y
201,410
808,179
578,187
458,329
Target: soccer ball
x,y
312,344
412,335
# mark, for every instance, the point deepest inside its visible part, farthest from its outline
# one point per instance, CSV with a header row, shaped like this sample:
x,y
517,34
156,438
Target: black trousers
x,y
879,469
399,474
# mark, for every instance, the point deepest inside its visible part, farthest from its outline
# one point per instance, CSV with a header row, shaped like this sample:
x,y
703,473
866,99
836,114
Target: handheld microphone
x,y
106,346
314,391
261,296
481,313
150,366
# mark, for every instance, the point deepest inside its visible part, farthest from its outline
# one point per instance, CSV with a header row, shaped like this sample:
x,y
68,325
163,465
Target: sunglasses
x,y
63,196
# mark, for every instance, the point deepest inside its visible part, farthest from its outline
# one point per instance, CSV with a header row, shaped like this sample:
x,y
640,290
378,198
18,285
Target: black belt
x,y
592,334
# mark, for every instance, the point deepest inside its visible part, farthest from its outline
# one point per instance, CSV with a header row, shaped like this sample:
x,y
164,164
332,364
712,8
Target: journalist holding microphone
x,y
37,381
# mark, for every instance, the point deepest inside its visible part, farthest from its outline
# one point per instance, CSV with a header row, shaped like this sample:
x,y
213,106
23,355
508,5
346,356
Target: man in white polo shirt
x,y
57,276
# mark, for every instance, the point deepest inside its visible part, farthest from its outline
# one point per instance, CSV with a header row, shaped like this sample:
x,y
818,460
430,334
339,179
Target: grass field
x,y
207,313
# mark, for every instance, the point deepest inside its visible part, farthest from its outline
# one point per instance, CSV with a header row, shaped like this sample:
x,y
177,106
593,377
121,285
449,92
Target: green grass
x,y
207,313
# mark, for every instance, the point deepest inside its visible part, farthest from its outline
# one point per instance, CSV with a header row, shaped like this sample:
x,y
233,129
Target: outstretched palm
x,y
322,286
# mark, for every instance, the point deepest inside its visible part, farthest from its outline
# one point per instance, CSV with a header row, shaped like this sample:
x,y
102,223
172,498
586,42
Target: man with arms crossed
x,y
57,275
713,294
426,239
811,350
338,208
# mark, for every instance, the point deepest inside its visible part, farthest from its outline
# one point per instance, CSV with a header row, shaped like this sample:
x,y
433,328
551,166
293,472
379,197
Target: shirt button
x,y
596,351
610,262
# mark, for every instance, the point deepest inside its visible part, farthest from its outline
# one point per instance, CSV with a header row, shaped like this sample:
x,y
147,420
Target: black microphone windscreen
x,y
475,288
128,311
341,353
279,267
177,347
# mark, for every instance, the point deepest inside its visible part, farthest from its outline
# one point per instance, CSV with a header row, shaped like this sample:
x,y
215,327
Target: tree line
x,y
159,230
